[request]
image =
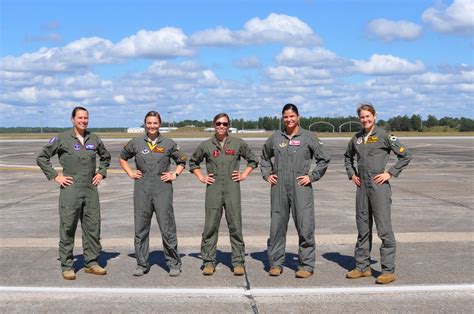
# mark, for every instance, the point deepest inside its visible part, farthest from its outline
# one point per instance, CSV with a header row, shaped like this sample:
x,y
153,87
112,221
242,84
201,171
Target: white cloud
x,y
275,28
251,62
458,18
166,42
388,64
388,30
120,99
76,55
285,73
29,94
316,57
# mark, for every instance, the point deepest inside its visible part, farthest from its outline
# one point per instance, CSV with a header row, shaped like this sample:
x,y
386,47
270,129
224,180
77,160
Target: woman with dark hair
x,y
78,198
222,153
372,147
153,191
285,163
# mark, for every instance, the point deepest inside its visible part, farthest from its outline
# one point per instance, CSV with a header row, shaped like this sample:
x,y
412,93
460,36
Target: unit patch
x,y
282,144
158,149
373,139
145,151
393,138
402,149
230,152
216,153
77,146
295,143
90,146
359,141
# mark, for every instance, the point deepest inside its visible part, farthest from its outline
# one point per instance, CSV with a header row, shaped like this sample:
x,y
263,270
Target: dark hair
x,y
76,109
365,106
152,114
290,107
220,115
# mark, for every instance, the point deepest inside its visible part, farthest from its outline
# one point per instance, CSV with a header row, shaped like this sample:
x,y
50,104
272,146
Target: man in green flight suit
x,y
78,198
222,154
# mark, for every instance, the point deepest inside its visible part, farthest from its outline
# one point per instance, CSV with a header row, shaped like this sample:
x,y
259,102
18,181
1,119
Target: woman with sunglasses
x,y
222,154
285,163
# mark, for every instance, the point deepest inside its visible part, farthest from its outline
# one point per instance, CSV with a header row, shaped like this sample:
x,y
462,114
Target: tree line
x,y
320,124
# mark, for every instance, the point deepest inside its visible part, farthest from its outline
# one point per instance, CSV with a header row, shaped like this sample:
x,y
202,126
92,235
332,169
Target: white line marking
x,y
223,291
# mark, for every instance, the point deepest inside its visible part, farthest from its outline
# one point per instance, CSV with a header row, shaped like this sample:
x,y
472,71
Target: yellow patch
x,y
402,149
282,144
159,149
183,158
373,139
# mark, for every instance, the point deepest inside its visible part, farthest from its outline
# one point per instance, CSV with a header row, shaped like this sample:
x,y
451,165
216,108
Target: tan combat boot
x,y
355,273
69,274
275,271
386,278
208,270
301,273
239,271
96,270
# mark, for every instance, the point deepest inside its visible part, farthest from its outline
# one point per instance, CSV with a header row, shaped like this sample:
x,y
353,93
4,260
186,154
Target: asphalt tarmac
x,y
432,214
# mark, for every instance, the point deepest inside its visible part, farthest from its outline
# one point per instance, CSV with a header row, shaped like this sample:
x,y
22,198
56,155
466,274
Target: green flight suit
x,y
373,201
292,158
80,200
153,195
223,193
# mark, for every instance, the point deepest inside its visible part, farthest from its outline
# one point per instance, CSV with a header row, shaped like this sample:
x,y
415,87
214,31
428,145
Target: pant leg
x,y
163,205
302,206
280,214
210,235
90,224
143,211
233,215
381,208
364,229
68,218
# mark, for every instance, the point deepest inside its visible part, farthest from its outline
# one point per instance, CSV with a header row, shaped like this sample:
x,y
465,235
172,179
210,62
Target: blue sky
x,y
121,59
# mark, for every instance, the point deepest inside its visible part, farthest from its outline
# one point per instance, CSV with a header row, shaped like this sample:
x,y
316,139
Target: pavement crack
x,y
248,294
435,198
25,199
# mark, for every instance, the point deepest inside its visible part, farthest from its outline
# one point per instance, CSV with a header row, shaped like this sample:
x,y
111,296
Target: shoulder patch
x,y
393,138
52,140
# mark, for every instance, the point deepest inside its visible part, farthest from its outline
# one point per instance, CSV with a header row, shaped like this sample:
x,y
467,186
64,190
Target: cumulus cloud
x,y
387,64
316,57
251,62
458,18
166,42
388,30
275,28
77,54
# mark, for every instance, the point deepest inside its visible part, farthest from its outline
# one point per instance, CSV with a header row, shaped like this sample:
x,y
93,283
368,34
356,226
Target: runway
x,y
432,214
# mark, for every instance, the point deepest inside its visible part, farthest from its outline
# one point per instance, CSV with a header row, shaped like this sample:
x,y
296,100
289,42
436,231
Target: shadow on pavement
x,y
103,259
156,258
347,262
221,258
291,260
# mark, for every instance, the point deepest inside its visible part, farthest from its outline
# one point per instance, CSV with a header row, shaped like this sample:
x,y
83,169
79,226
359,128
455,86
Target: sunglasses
x,y
222,123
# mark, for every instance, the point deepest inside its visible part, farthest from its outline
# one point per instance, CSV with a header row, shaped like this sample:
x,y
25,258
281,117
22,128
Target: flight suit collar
x,y
284,134
159,138
215,141
73,134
